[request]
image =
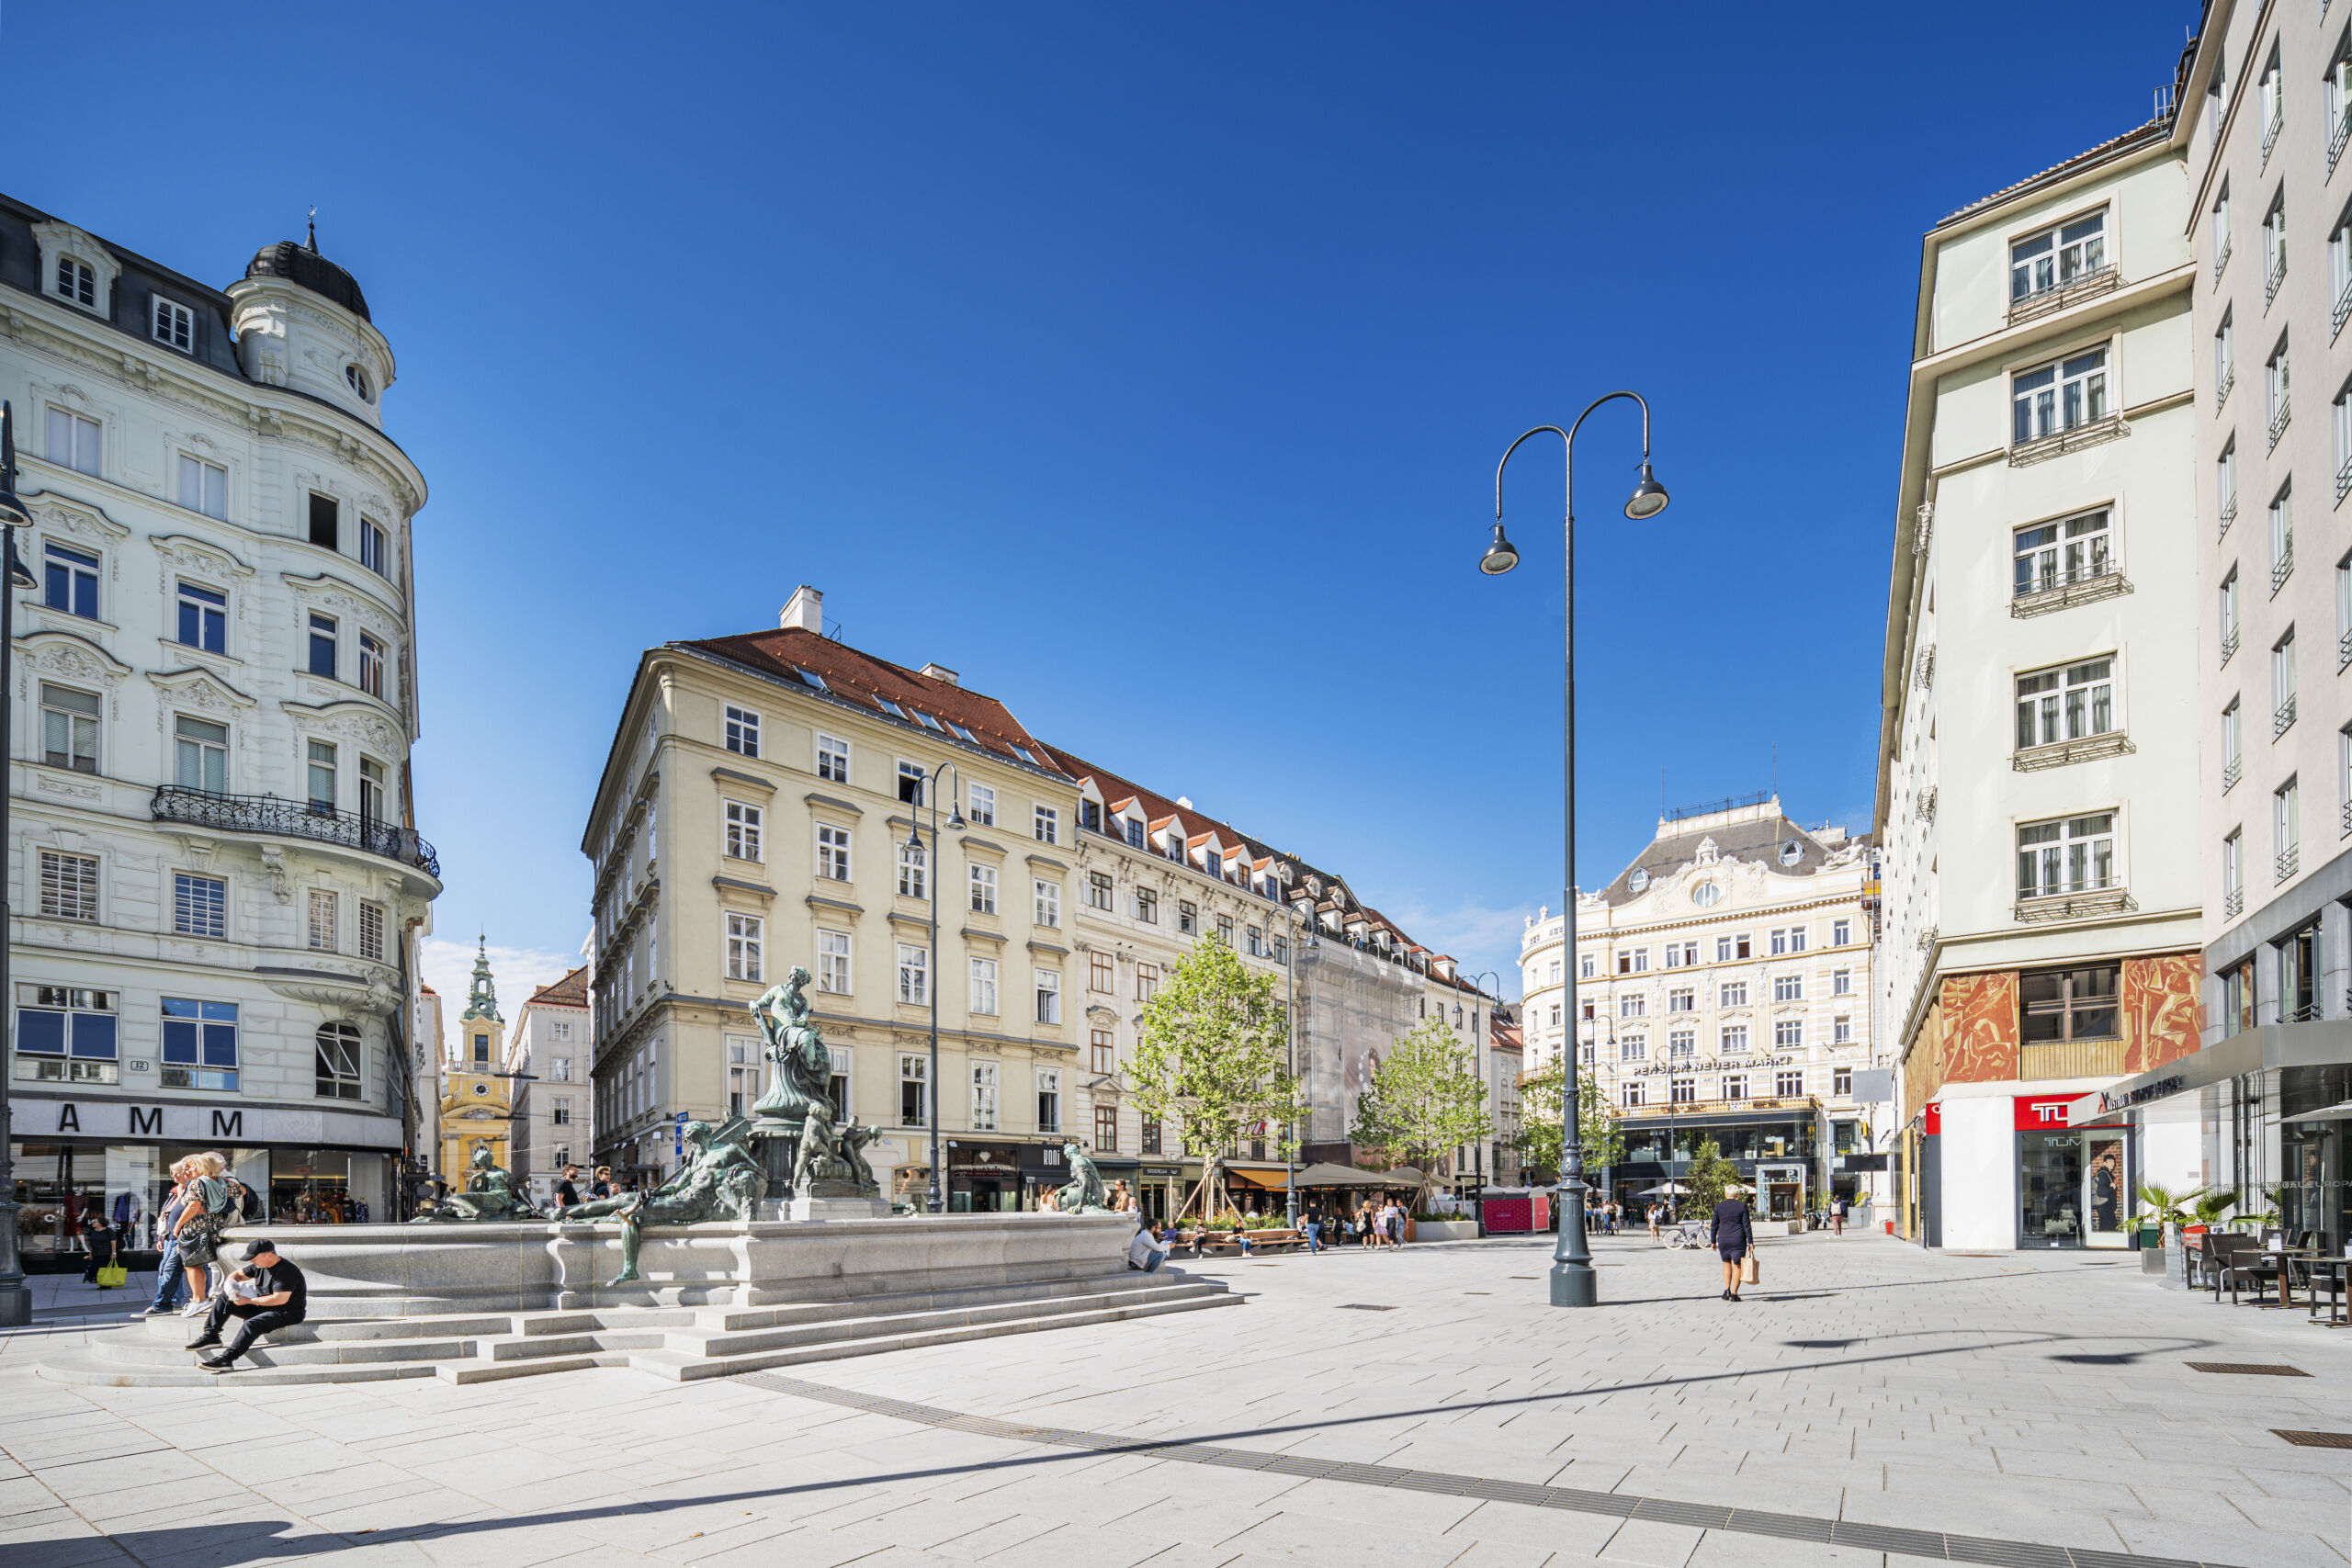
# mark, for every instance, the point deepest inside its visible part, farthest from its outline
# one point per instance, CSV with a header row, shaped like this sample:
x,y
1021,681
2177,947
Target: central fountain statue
x,y
720,1181
807,1152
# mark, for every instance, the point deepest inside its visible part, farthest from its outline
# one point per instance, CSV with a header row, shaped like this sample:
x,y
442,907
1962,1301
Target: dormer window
x,y
1133,830
173,324
76,283
1213,863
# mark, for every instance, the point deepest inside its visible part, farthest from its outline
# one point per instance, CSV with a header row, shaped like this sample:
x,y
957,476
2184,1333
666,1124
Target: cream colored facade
x,y
546,1059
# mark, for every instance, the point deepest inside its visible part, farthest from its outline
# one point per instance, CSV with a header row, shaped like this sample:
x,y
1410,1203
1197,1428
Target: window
x,y
743,731
172,324
1098,891
983,811
2072,703
2225,357
1282,950
204,622
1788,1033
2276,386
745,934
1841,1080
742,830
371,665
200,1045
1254,941
1225,930
1151,1138
1682,1043
69,729
199,905
1047,904
71,582
1789,1084
204,486
1788,988
833,756
1632,1007
1735,995
1103,1055
1841,933
983,889
559,1111
371,944
319,928
373,552
65,1034
2234,875
2282,537
1682,1091
1842,1029
1684,999
337,1056
1786,940
1147,905
1147,981
1049,1100
914,1091
1106,1129
833,853
1629,1095
1188,918
322,639
2228,614
2070,855
2273,90
1728,948
322,779
326,522
1841,983
2282,684
1735,1038
2053,555
1048,825
914,861
1633,1048
76,282
2336,89
984,1097
2286,827
2069,1004
2221,219
914,975
833,962
69,885
984,987
199,754
74,442
2058,397
1049,996
2274,246
910,784
1134,829
1101,975
1090,815
2056,257
2225,486
1734,1086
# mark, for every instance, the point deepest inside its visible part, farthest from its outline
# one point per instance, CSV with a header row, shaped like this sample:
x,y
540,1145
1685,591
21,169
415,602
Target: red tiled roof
x,y
865,682
572,991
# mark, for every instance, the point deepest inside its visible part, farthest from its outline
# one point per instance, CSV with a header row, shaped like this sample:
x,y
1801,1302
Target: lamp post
x,y
1290,1061
938,1203
1574,1283
16,1301
1486,1086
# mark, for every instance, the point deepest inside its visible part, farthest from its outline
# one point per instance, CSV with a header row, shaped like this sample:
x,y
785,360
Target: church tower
x,y
476,1094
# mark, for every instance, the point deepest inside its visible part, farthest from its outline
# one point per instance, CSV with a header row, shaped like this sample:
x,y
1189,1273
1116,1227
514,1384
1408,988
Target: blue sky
x,y
1147,364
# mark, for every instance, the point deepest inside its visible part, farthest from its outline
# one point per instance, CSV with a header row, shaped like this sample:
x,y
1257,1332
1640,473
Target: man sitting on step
x,y
265,1295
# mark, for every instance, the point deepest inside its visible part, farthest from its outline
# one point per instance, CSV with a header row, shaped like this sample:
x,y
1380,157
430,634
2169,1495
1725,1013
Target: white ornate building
x,y
214,878
1723,988
548,1054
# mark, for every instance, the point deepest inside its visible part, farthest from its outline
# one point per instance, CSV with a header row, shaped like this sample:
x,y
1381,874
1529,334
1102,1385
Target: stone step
x,y
825,1330
283,1352
735,1319
89,1371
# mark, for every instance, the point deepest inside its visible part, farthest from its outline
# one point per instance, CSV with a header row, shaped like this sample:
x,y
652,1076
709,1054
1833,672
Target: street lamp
x,y
1289,1056
16,1301
938,1203
1486,1086
1574,1284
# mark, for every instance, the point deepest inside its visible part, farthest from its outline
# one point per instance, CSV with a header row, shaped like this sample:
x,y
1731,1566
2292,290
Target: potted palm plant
x,y
2171,1212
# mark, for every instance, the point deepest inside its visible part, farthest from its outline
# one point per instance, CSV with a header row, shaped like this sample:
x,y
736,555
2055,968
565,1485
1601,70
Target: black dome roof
x,y
300,264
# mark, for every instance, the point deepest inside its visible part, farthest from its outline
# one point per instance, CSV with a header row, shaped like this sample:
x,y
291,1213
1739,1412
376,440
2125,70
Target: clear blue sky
x,y
1147,364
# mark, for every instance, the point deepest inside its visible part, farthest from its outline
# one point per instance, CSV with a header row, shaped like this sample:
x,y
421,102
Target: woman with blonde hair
x,y
198,1231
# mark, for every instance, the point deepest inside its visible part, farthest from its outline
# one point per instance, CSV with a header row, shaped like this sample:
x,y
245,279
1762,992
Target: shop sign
x,y
1933,1124
2041,1112
985,1161
2109,1101
177,1122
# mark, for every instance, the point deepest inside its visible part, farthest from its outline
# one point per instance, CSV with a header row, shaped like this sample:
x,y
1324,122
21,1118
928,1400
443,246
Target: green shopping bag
x,y
113,1275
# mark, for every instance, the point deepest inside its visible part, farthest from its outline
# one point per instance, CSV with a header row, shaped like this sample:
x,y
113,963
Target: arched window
x,y
338,1061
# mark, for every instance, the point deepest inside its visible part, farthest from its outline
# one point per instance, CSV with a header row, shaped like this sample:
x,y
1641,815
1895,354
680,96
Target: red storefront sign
x,y
1931,1119
2042,1112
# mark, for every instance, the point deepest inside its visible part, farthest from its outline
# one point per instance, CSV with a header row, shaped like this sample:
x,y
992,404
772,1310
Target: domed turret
x,y
304,264
302,323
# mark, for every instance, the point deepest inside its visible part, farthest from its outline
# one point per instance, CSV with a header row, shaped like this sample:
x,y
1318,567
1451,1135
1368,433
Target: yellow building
x,y
477,1096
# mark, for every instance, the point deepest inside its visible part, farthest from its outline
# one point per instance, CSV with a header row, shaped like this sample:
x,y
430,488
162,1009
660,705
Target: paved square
x,y
1869,1403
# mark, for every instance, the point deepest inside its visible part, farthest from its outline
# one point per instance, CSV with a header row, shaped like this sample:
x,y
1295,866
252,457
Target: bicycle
x,y
1687,1233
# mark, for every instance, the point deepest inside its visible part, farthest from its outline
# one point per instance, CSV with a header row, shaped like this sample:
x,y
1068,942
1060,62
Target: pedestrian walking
x,y
566,1193
1837,1216
1311,1222
1654,1230
1733,1231
266,1295
201,1222
104,1242
169,1280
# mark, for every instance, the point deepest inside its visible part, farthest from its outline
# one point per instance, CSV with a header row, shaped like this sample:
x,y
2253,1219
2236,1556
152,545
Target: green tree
x,y
1425,1100
1709,1174
1210,1061
1539,1137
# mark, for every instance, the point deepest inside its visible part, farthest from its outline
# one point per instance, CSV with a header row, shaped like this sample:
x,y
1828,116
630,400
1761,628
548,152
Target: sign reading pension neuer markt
x,y
180,1122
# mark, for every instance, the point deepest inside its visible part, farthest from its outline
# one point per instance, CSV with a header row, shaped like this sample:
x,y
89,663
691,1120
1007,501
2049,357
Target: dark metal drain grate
x,y
2314,1439
1363,1307
2249,1368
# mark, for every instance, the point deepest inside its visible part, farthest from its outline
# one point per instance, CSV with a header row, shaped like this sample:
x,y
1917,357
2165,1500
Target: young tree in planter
x,y
1539,1137
1211,1059
1709,1174
1424,1100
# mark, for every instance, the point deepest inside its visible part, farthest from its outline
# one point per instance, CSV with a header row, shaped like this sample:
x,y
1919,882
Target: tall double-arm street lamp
x,y
16,1301
1574,1283
1485,1086
931,876
1290,1060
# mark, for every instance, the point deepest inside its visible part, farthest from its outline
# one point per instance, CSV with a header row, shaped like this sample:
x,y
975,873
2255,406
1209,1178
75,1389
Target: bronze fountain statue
x,y
490,1194
827,1158
720,1180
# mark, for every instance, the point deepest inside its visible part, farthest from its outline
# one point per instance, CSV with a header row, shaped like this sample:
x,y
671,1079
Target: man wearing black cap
x,y
266,1294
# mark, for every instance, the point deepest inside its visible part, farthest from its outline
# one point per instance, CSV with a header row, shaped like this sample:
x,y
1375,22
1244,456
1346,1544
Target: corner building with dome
x,y
215,876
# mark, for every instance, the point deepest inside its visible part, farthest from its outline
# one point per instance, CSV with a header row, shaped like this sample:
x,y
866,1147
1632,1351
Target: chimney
x,y
939,671
806,610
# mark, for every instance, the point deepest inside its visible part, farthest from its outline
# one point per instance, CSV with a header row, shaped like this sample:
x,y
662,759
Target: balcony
x,y
2341,313
2234,904
2270,137
2229,516
2282,718
2221,261
2347,818
2271,280
2232,771
2072,291
2222,388
2283,568
2089,900
2342,650
2229,647
2059,754
2307,1013
2045,591
2074,438
2290,860
294,819
2344,480
2281,417
2338,138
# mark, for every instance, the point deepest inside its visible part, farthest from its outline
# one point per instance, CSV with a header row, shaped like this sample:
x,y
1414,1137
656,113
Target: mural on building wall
x,y
1981,1028
2160,1008
1923,1069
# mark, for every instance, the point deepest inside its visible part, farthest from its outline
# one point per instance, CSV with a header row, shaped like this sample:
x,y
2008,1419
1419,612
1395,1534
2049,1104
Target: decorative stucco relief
x,y
1980,1028
2160,1008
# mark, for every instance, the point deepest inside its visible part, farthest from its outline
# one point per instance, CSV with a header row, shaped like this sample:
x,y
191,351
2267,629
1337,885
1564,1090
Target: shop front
x,y
1775,1144
2074,1183
1001,1174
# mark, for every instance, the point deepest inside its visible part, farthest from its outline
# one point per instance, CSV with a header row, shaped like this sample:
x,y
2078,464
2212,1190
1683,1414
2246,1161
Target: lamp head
x,y
955,820
1500,556
1649,497
914,837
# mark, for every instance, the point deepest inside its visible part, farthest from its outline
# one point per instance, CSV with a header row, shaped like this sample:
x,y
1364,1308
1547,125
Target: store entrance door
x,y
2105,1188
1782,1189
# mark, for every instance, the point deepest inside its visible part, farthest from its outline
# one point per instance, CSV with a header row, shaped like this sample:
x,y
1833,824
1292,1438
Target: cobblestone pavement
x,y
1421,1409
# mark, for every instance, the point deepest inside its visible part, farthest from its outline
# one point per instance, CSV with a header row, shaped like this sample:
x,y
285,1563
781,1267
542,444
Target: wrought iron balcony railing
x,y
2280,418
2270,137
2272,278
2221,261
2282,718
2234,904
2229,647
2232,771
2341,313
2222,388
295,819
2057,296
2338,137
2289,859
2283,568
2229,516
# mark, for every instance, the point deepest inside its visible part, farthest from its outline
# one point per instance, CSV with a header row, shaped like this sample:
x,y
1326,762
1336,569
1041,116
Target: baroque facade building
x,y
755,816
2036,799
215,876
1721,989
546,1060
